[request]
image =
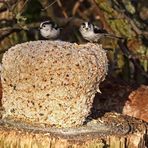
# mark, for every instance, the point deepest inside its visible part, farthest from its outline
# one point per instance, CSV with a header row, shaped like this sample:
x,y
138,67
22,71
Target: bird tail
x,y
113,36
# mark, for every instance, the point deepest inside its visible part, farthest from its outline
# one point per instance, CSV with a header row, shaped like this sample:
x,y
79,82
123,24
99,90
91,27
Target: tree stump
x,y
110,131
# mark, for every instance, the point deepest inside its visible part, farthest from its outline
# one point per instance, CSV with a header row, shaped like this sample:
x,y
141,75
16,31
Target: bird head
x,y
47,25
86,27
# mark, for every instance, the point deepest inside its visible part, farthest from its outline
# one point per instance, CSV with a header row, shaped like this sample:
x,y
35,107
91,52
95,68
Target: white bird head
x,y
49,30
86,27
87,31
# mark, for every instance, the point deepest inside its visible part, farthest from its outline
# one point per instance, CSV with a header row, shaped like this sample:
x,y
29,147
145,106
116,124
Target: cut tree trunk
x,y
112,130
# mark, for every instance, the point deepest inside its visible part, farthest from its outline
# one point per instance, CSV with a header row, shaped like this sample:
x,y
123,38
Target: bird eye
x,y
89,23
43,26
83,25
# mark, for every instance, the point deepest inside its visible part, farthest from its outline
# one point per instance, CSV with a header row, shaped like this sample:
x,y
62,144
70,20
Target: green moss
x,y
121,27
106,7
143,51
129,7
116,21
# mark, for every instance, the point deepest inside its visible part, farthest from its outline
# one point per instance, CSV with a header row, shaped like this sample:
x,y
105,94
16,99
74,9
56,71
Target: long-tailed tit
x,y
92,33
49,30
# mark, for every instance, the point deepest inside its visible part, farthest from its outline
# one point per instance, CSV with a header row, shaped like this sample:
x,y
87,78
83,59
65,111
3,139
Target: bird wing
x,y
104,32
99,30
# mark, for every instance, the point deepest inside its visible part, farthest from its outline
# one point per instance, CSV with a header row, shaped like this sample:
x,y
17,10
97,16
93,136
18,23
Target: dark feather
x,y
98,30
53,25
46,23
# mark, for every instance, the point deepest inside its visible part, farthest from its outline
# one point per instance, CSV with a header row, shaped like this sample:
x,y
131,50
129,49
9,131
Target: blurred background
x,y
20,19
128,59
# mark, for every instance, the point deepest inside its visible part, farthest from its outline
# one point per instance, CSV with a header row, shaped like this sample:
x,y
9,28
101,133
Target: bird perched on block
x,y
93,33
49,30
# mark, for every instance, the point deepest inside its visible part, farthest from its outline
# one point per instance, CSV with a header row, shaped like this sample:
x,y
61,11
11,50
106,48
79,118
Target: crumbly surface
x,y
51,82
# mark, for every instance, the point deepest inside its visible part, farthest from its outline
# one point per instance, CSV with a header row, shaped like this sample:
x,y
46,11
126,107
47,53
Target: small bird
x,y
93,33
49,30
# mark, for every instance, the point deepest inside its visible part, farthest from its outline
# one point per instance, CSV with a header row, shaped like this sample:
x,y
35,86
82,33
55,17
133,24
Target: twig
x,y
21,11
142,57
7,22
134,27
76,6
62,8
127,54
4,7
7,33
102,17
49,5
130,19
9,5
13,6
4,32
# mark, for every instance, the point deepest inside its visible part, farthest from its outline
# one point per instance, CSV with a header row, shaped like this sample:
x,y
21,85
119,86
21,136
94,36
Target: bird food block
x,y
51,83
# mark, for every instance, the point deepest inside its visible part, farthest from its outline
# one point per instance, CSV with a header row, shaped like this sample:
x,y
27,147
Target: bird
x,y
49,30
93,33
